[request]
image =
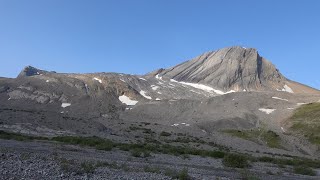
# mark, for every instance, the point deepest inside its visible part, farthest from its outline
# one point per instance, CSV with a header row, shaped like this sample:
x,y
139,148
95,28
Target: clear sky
x,y
138,36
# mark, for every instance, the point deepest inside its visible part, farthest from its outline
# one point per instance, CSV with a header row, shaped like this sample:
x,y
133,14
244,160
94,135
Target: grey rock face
x,y
234,68
31,71
4,89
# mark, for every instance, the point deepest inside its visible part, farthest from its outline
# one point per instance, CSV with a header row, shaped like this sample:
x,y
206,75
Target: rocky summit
x,y
226,114
232,69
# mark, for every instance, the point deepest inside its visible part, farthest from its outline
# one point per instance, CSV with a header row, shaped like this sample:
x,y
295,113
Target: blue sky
x,y
138,36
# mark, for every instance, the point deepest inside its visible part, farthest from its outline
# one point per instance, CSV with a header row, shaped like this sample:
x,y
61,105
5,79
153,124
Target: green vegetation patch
x,y
269,138
235,161
306,121
97,142
19,137
304,170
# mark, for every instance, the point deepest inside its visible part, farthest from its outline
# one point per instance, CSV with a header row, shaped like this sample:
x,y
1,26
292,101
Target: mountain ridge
x,y
228,69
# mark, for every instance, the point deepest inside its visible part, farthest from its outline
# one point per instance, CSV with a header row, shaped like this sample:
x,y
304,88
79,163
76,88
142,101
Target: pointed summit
x,y
233,68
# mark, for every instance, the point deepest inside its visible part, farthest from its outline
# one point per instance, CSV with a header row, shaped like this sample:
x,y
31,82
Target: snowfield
x,y
143,79
158,77
204,87
286,88
154,87
143,93
267,111
97,79
280,99
126,100
64,105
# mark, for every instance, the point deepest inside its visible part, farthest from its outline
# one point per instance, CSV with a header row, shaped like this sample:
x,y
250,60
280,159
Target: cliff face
x,y
234,68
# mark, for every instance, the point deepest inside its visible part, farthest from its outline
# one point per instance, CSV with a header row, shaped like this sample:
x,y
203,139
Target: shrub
x,y
171,173
105,146
136,153
174,174
151,169
247,175
216,154
235,161
183,174
304,170
146,154
163,133
266,159
88,167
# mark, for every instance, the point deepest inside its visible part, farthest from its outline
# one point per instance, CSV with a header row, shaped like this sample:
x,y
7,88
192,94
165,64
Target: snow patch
x,y
126,100
64,105
154,87
122,80
158,77
267,111
228,92
47,81
280,99
202,87
143,79
299,104
157,99
283,129
128,108
97,79
143,93
159,92
286,88
290,108
206,88
9,98
172,80
177,124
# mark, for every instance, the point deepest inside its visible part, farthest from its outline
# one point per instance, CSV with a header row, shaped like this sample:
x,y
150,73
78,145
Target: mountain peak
x,y
232,68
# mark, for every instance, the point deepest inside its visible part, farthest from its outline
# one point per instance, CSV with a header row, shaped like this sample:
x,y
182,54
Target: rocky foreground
x,y
47,160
